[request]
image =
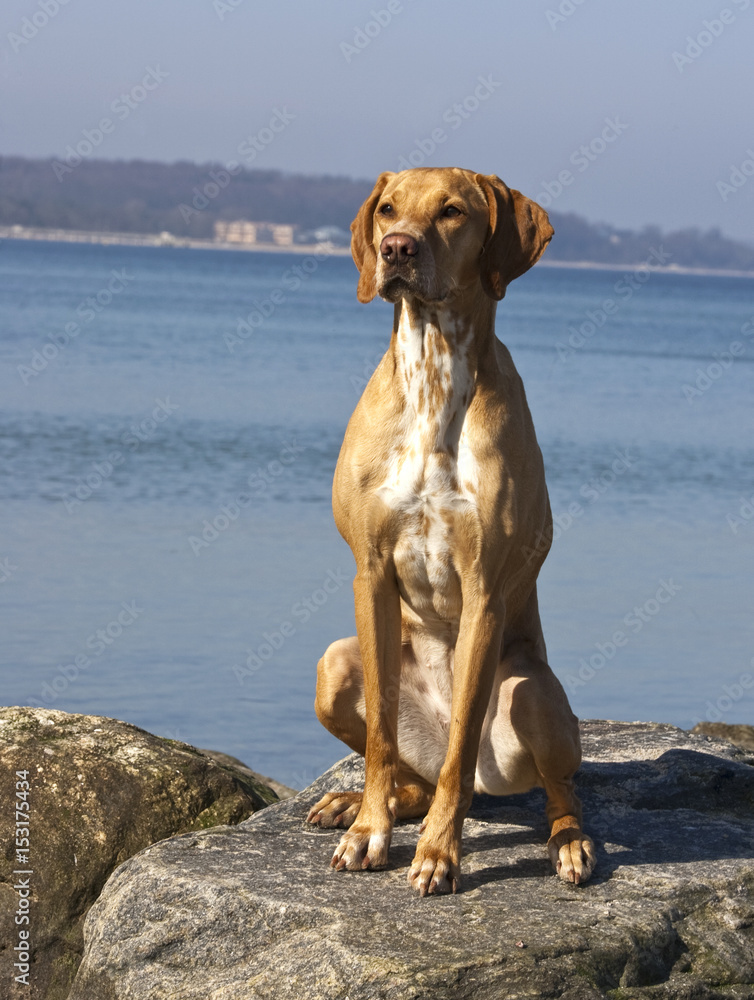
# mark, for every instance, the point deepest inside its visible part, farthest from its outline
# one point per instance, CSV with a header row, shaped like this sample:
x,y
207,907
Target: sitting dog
x,y
440,492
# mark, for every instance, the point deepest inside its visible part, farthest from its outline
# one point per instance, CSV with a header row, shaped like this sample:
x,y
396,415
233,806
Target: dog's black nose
x,y
397,248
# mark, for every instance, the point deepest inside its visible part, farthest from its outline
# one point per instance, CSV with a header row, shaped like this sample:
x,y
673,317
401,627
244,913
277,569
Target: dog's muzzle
x,y
402,272
398,249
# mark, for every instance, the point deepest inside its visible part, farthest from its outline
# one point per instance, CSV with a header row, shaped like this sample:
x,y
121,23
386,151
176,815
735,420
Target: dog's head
x,y
430,234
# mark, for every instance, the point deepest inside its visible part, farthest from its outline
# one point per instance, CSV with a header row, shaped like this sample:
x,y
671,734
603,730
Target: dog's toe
x,y
335,809
360,849
573,855
433,872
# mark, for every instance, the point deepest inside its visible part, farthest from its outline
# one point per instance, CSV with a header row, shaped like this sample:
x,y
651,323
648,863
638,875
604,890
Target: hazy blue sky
x,y
557,73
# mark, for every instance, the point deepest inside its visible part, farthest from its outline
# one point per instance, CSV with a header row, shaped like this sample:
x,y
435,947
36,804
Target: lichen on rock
x,y
100,791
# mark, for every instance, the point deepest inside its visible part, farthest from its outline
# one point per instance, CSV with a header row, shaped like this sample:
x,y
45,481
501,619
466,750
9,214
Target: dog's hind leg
x,y
544,723
341,710
413,798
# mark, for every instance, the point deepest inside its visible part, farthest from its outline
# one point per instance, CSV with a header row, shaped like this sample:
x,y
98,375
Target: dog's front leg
x,y
436,864
378,625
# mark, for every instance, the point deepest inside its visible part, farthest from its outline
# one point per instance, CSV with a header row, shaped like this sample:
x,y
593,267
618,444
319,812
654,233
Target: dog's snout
x,y
397,248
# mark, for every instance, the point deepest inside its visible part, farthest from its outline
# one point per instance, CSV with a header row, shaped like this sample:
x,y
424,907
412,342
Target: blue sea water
x,y
168,554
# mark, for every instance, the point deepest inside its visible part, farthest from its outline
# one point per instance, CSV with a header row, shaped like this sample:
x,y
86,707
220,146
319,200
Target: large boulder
x,y
94,791
254,911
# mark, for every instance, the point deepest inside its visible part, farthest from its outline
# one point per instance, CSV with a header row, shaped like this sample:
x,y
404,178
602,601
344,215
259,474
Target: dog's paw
x,y
361,848
572,854
433,872
335,809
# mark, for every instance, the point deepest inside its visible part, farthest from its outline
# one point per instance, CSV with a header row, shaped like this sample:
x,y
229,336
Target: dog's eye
x,y
386,209
450,211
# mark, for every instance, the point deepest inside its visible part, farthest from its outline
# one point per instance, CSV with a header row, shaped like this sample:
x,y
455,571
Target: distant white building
x,y
242,231
236,232
282,234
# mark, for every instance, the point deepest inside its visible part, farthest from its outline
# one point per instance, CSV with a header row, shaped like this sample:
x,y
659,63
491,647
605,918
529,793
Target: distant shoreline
x,y
168,240
589,265
160,240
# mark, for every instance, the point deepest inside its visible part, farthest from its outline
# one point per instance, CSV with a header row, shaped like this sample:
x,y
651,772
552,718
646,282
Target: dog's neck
x,y
438,353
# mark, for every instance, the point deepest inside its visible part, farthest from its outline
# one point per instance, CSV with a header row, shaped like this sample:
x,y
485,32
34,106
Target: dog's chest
x,y
431,480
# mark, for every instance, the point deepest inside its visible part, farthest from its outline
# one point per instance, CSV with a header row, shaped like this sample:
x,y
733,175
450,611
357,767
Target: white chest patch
x,y
431,475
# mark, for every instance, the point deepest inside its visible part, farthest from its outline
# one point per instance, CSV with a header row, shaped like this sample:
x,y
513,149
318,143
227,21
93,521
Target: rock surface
x,y
282,791
737,733
100,790
254,911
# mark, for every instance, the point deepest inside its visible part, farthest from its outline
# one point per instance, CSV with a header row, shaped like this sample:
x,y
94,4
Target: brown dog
x,y
440,493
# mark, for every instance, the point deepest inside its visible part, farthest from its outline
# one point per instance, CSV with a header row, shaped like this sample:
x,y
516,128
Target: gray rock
x,y
255,912
101,790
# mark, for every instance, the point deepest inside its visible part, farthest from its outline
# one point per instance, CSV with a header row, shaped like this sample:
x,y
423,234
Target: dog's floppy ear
x,y
518,234
362,244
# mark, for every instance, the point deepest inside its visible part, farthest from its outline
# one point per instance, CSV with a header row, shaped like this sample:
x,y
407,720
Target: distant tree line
x,y
576,239
186,199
